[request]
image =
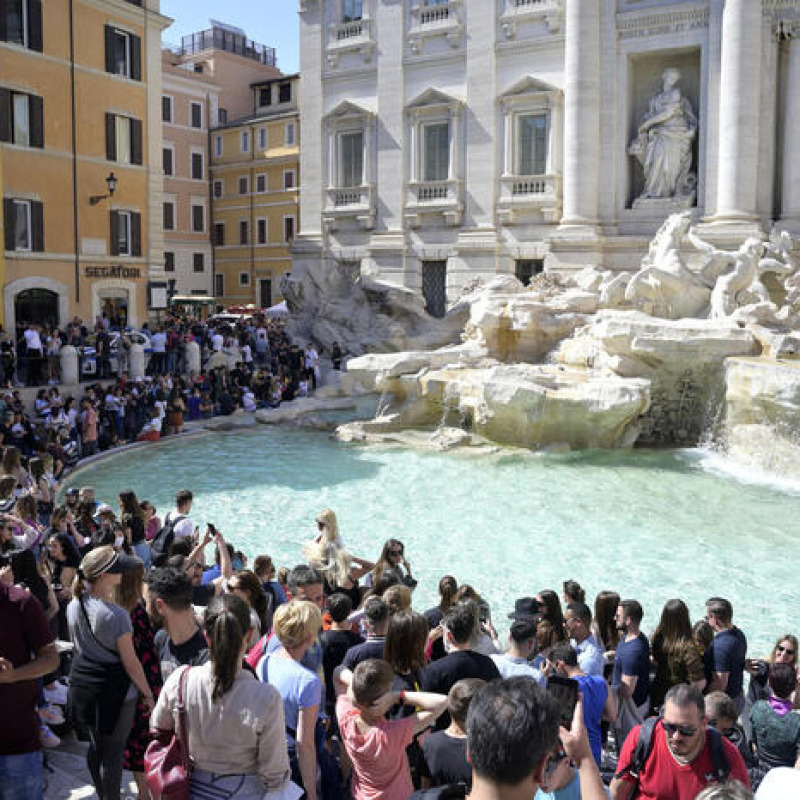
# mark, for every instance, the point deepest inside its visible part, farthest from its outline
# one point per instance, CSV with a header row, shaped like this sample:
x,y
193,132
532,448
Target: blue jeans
x,y
21,777
142,551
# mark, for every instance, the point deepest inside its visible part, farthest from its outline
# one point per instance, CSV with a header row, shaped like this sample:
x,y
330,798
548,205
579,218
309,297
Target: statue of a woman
x,y
664,144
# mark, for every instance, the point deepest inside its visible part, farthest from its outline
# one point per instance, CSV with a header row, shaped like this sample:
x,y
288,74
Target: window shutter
x,y
136,234
37,223
111,137
35,25
136,58
9,221
114,217
3,25
136,141
36,115
109,49
5,115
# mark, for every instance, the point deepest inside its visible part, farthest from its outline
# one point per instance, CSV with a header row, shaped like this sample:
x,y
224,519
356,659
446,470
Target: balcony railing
x,y
432,14
349,30
517,12
353,202
425,197
351,36
229,41
440,20
526,193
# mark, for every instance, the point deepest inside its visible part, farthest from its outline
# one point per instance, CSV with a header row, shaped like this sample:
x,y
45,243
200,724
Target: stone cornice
x,y
651,22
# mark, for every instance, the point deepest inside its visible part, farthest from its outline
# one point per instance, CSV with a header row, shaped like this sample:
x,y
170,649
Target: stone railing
x,y
443,19
529,193
434,196
351,201
353,36
348,30
517,12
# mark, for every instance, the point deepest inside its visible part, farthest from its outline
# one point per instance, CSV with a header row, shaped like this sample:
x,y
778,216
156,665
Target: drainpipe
x,y
74,153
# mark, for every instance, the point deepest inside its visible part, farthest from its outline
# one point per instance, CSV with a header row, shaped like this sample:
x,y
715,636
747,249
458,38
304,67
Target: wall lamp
x,y
111,181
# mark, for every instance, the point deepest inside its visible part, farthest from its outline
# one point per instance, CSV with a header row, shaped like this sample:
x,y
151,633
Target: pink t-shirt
x,y
380,766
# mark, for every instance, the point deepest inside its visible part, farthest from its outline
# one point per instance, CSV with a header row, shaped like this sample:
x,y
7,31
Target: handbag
x,y
167,765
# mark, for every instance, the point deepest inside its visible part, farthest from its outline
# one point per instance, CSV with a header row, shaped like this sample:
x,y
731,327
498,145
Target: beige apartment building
x,y
189,107
255,176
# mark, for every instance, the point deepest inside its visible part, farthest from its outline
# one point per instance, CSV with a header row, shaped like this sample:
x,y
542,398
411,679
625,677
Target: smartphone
x,y
565,692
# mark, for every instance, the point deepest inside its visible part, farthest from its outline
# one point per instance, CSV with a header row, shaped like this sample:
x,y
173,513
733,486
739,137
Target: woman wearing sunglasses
x,y
393,565
784,652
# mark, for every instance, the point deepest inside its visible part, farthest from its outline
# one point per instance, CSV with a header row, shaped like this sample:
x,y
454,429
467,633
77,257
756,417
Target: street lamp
x,y
111,182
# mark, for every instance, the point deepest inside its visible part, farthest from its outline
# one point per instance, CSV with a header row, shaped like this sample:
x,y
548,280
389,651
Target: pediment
x,y
433,97
530,85
347,109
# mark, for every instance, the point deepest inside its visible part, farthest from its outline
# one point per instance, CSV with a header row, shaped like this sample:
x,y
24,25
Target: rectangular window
x,y
265,96
198,218
261,231
124,243
126,233
123,53
124,139
217,191
243,232
199,262
21,23
197,166
219,285
288,229
24,225
262,138
166,109
436,152
261,183
434,287
169,215
244,279
352,159
243,188
169,262
167,160
123,134
21,118
217,146
222,116
244,143
219,234
284,92
197,115
532,143
288,179
289,135
351,10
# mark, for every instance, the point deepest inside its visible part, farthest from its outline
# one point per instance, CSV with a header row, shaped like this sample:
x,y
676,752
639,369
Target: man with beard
x,y
631,678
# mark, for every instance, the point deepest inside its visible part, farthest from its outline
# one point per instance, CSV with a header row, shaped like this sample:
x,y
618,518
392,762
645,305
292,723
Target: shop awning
x,y
192,300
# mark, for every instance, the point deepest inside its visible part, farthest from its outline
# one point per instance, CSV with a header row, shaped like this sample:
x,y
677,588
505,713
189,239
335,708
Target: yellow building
x,y
255,172
80,102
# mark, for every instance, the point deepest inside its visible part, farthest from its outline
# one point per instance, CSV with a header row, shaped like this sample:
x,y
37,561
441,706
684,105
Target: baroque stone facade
x,y
457,140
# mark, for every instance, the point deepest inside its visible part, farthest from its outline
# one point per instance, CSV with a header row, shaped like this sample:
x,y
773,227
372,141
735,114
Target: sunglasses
x,y
395,552
781,649
683,730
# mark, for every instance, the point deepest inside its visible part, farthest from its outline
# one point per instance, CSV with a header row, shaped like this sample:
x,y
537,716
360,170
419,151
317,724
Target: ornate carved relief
x,y
639,24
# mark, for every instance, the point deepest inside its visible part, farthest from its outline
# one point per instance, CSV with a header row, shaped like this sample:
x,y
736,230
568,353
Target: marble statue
x,y
663,145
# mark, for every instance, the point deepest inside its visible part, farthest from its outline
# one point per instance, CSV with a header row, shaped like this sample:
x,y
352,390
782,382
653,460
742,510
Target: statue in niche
x,y
663,145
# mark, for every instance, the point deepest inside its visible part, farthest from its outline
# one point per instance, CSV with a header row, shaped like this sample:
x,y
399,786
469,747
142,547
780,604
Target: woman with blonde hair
x,y
398,598
12,465
783,652
297,625
106,677
234,724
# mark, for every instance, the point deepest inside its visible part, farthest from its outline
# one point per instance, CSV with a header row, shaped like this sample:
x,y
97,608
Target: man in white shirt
x,y
577,619
312,363
34,354
521,642
183,505
217,341
159,344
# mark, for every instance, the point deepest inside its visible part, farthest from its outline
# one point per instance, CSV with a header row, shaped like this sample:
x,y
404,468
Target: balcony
x,y
434,197
529,194
354,202
429,21
350,36
516,12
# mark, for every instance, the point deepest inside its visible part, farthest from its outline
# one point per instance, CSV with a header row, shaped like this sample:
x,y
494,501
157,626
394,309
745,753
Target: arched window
x,y
37,305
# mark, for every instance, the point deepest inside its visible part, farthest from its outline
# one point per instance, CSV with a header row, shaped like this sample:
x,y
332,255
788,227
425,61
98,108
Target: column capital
x,y
789,28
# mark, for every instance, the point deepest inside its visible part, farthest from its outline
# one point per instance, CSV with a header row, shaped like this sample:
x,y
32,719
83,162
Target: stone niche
x,y
645,81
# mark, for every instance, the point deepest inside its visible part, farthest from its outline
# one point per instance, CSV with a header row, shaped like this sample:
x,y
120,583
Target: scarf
x,y
780,706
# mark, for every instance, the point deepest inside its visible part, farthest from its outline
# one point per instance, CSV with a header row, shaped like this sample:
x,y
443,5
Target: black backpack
x,y
644,746
162,541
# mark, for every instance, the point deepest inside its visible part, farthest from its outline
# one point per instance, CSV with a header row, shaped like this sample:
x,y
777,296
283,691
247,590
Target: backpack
x,y
163,540
644,746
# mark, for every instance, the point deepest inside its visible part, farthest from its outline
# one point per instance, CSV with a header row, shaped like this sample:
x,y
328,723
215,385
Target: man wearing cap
x,y
27,652
521,643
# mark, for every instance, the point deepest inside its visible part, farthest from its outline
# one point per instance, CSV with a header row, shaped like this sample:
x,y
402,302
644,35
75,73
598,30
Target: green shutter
x,y
9,222
136,234
36,119
136,141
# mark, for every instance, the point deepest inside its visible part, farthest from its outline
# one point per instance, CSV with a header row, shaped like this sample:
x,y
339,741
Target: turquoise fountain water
x,y
650,525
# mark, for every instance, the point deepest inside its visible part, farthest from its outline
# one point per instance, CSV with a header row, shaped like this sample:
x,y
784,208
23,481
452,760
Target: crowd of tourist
x,y
326,675
269,370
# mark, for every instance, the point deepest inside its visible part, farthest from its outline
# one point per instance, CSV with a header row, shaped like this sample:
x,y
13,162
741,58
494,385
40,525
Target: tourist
x,y
724,660
239,752
445,759
521,646
680,763
577,623
448,586
265,570
779,784
631,677
89,420
180,641
460,625
573,592
404,652
335,643
376,618
106,678
721,714
784,652
377,746
551,627
512,737
674,652
598,701
178,518
775,728
245,584
152,522
27,653
730,790
297,624
392,563
132,521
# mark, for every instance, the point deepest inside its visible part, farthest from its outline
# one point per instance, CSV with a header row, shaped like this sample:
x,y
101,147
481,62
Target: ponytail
x,y
227,621
78,584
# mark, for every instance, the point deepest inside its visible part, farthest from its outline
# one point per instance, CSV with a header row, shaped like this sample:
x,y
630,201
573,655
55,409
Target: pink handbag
x,y
167,765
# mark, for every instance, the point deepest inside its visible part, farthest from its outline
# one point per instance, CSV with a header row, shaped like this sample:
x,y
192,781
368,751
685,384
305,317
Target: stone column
x,y
137,367
582,114
739,114
69,366
790,201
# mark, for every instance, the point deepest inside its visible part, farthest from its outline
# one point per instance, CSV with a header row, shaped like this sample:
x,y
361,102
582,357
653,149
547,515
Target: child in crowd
x,y
722,715
377,746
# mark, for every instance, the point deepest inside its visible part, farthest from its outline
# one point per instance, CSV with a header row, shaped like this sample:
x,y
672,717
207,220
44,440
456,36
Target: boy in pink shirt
x,y
377,746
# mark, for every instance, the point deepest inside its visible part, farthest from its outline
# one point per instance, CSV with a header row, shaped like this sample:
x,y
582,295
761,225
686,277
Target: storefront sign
x,y
115,271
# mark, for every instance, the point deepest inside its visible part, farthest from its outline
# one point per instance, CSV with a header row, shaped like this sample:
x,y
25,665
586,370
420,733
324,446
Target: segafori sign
x,y
115,271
